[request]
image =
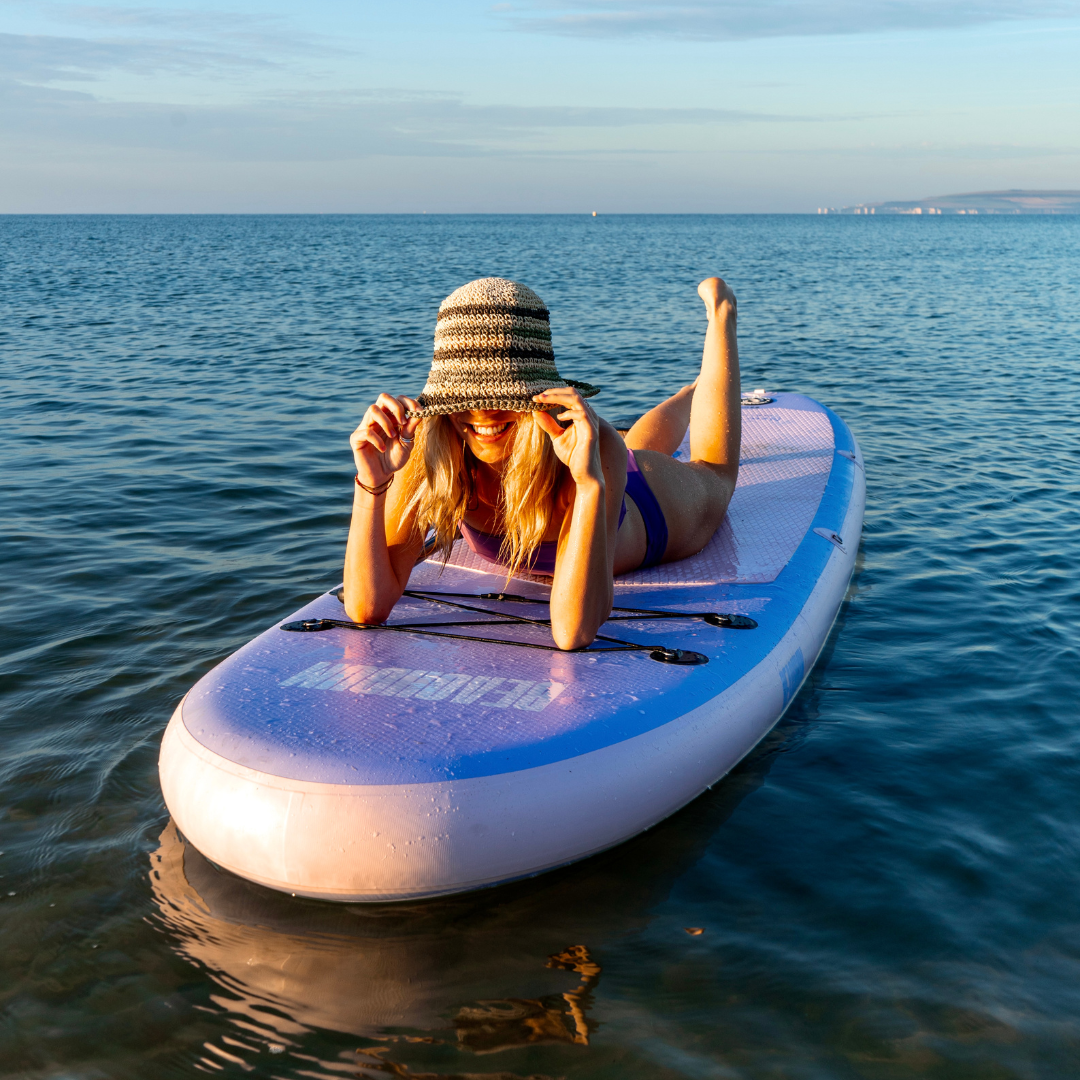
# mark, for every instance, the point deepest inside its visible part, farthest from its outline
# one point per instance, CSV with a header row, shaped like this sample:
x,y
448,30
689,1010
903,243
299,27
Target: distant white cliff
x,y
1015,201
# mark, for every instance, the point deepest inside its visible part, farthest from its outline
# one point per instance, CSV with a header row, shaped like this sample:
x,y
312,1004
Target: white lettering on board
x,y
485,691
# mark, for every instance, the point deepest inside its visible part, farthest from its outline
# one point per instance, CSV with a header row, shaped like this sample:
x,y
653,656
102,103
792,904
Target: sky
x,y
538,106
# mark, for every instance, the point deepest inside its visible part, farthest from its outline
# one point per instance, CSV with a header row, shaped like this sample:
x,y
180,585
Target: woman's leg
x,y
694,495
663,428
716,418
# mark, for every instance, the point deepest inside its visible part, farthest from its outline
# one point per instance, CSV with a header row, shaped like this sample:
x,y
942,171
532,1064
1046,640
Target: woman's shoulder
x,y
612,446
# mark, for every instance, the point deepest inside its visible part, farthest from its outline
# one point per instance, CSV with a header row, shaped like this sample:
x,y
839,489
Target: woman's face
x,y
488,433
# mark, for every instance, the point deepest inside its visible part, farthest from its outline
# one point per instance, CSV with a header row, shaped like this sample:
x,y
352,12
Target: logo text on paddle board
x,y
484,691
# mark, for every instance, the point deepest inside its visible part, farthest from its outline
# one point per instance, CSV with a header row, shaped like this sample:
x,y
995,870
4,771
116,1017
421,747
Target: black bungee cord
x,y
660,653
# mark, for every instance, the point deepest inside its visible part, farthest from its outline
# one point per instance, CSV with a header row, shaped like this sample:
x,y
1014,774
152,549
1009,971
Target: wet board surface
x,y
371,707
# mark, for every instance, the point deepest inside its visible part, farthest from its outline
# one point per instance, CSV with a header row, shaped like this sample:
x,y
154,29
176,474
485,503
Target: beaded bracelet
x,y
379,489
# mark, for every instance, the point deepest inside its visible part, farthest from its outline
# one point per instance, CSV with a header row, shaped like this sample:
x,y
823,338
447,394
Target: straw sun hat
x,y
492,351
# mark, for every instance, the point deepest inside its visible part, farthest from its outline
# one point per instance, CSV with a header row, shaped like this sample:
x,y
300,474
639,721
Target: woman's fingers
x,y
548,423
376,432
575,408
410,425
383,442
387,422
559,395
369,433
577,444
382,429
374,437
392,407
361,437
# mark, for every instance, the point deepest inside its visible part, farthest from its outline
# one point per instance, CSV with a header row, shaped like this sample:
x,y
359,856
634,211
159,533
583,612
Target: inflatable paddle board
x,y
456,747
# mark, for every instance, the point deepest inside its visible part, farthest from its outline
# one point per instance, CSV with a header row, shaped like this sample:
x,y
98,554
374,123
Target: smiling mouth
x,y
488,431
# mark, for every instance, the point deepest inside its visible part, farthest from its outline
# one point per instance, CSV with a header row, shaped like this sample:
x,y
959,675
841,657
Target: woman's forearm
x,y
381,447
371,585
582,592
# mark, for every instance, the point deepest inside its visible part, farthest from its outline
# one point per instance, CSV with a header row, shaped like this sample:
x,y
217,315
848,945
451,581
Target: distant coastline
x,y
1014,201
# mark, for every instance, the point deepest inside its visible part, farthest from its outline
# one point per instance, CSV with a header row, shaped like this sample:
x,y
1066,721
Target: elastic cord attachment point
x,y
309,626
678,656
730,622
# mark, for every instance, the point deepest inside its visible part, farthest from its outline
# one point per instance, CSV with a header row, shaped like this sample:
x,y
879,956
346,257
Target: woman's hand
x,y
577,446
381,445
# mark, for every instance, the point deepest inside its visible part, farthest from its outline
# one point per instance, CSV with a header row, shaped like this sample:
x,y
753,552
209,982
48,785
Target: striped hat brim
x,y
440,405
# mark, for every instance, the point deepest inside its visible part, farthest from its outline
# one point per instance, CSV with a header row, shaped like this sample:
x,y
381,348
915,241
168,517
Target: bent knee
x,y
728,475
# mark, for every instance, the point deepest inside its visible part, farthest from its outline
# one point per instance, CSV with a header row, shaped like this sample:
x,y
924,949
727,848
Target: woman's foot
x,y
716,292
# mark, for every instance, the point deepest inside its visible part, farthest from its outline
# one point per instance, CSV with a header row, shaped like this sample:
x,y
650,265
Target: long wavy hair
x,y
440,484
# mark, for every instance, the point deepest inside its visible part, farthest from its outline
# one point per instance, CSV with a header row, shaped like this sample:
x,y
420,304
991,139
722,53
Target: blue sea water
x,y
887,887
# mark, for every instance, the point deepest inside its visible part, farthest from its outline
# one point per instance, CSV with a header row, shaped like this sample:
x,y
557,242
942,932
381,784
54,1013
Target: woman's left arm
x,y
581,591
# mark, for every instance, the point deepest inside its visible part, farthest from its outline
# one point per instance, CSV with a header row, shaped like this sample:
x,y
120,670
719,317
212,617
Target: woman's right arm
x,y
383,545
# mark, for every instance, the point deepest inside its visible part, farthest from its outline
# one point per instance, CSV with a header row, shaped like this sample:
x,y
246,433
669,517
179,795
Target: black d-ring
x,y
678,656
730,622
309,626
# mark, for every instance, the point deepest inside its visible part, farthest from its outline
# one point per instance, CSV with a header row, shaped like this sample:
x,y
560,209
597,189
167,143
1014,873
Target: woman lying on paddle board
x,y
484,450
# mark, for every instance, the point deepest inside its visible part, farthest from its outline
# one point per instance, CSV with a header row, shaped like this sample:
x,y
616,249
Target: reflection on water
x,y
292,982
476,973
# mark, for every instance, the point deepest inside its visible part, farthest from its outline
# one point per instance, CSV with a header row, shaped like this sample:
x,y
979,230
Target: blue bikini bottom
x,y
543,561
656,535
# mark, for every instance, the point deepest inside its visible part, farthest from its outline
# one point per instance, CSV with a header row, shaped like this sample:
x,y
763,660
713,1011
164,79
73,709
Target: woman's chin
x,y
490,453
490,449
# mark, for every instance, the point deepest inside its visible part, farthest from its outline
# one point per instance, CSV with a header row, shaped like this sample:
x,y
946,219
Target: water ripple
x,y
885,885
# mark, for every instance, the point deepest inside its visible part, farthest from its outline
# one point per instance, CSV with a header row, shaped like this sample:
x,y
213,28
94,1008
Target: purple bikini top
x,y
488,545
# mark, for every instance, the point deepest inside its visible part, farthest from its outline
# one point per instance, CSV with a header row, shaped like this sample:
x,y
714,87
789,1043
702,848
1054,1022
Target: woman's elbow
x,y
570,638
577,634
367,610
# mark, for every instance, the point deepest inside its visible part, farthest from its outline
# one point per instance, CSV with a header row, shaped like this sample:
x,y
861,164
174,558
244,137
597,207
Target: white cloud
x,y
184,20
95,41
730,20
326,127
221,30
40,58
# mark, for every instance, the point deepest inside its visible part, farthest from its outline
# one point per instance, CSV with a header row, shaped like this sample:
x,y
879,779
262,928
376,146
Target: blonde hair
x,y
439,483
